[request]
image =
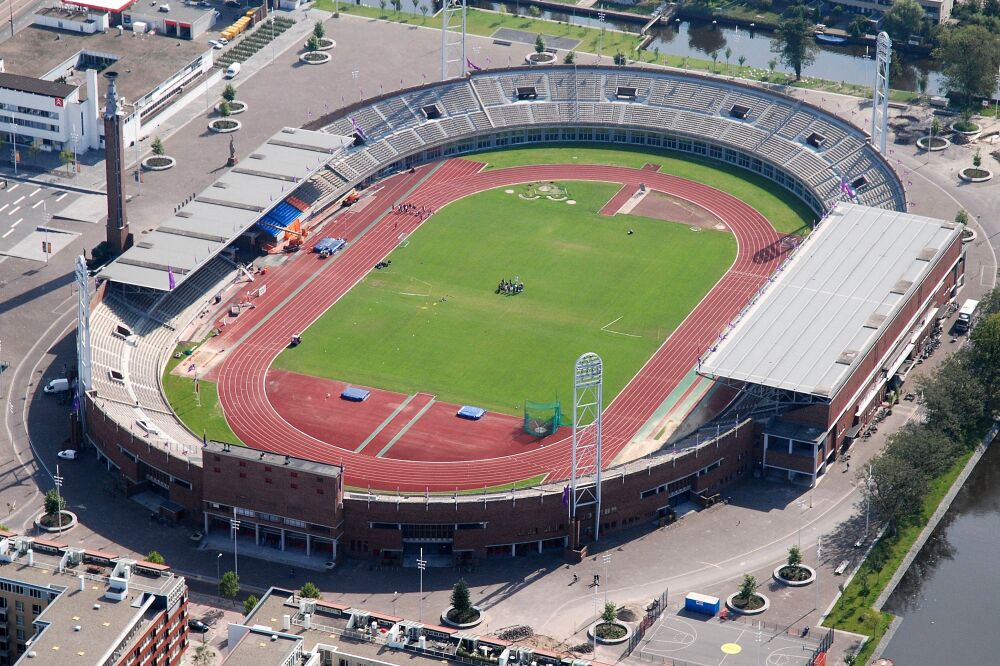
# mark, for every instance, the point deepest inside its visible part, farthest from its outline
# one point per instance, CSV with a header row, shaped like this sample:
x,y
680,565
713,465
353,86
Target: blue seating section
x,y
280,217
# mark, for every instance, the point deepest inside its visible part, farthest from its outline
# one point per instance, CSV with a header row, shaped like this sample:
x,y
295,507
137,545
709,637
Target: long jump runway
x,y
307,289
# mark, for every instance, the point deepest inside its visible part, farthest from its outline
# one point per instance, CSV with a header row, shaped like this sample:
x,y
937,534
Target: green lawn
x,y
853,611
485,23
786,213
206,419
433,323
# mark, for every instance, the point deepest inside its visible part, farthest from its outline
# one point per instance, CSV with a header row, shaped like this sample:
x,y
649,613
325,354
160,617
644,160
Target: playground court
x,y
689,639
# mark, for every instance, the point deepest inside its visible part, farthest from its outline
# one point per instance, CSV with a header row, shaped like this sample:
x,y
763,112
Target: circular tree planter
x,y
967,132
969,234
801,575
326,44
448,622
975,175
315,58
609,633
235,107
47,523
224,125
540,58
759,604
932,144
158,163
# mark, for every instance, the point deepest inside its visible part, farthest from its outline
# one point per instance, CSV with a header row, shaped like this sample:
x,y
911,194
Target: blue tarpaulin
x,y
280,217
471,413
355,394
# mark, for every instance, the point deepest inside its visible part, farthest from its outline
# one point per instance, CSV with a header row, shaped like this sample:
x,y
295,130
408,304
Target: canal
x,y
948,595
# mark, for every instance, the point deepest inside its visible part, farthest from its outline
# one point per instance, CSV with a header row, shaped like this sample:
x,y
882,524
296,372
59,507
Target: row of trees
x,y
959,399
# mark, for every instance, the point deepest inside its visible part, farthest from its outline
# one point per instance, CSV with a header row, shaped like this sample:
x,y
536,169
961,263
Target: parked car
x,y
60,385
197,626
148,426
68,454
216,44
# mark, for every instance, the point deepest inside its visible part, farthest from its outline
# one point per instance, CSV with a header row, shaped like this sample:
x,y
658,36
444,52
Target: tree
x,y
416,5
656,54
930,450
935,127
953,397
794,556
748,588
229,585
225,110
460,599
54,502
229,93
250,603
381,6
620,59
569,58
715,59
423,10
901,487
961,217
794,42
969,57
902,19
991,8
977,158
309,591
534,11
539,44
154,557
858,26
65,156
984,359
312,44
157,146
204,655
728,53
923,81
397,5
771,64
610,612
319,30
743,60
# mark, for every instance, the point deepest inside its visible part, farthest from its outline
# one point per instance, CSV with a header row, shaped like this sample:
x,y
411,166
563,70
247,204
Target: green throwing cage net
x,y
541,418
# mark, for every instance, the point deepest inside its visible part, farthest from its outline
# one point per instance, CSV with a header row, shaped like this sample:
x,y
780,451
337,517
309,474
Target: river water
x,y
948,597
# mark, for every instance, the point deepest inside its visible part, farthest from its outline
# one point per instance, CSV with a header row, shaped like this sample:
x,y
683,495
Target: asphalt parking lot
x,y
30,216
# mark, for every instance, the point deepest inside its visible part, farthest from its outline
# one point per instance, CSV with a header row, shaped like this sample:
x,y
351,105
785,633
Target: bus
x,y
965,315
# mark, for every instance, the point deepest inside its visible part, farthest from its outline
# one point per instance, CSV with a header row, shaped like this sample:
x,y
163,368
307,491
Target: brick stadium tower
x,y
119,238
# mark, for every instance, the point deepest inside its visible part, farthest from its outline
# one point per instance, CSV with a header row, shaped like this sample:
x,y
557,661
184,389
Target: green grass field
x,y
206,418
433,323
786,213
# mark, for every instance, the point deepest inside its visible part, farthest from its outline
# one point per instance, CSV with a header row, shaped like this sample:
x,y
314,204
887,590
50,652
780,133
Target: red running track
x,y
243,374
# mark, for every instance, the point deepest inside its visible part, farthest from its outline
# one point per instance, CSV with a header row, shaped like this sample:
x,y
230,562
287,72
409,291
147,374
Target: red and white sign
x,y
59,101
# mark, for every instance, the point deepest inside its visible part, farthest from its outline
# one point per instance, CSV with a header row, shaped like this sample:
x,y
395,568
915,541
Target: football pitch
x,y
433,323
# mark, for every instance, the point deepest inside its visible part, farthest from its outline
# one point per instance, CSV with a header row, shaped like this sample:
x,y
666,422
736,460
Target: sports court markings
x,y
382,425
406,428
607,329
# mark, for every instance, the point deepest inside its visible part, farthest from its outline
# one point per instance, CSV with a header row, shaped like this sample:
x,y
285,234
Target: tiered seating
x,y
843,150
757,105
793,127
544,112
747,137
430,132
312,190
510,84
397,113
457,126
480,121
457,99
773,118
585,86
405,142
610,114
648,117
361,162
371,121
506,116
490,91
778,151
613,81
381,152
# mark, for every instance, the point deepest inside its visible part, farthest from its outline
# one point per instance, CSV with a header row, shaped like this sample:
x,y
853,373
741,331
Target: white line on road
x,y
61,196
9,232
37,190
3,207
14,210
13,187
19,221
37,203
23,197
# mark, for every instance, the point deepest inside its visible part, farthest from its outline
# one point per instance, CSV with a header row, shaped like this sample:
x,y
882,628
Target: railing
x,y
652,615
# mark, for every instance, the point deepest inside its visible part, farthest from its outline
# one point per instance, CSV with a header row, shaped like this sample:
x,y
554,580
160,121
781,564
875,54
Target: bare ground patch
x,y
660,206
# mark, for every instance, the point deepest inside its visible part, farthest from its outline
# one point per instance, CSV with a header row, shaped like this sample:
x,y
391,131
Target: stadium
x,y
557,180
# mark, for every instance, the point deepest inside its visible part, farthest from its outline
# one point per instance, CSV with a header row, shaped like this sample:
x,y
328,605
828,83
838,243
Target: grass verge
x,y
503,487
202,416
786,213
853,611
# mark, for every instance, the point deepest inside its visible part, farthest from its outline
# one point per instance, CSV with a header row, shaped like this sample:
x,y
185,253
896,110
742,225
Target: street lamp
x,y
235,526
59,481
601,16
218,567
421,565
606,558
395,595
801,511
871,488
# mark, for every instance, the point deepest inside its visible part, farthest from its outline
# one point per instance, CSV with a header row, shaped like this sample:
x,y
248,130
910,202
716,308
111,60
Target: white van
x,y
233,70
57,386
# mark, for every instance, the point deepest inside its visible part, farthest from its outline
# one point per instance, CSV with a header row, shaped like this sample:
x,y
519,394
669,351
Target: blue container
x,y
702,603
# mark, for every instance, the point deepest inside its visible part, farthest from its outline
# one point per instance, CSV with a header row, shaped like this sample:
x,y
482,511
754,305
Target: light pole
x,y
801,511
59,481
600,44
235,526
218,567
871,488
76,160
395,595
10,3
13,144
606,558
45,221
421,565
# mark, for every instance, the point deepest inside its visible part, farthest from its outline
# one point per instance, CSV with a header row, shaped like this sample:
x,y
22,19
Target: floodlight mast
x,y
585,479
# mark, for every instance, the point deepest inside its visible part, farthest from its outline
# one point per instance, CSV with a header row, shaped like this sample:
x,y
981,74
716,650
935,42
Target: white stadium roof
x,y
215,218
832,301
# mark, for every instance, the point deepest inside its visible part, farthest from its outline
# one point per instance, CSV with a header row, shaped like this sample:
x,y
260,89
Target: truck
x,y
966,315
233,70
60,385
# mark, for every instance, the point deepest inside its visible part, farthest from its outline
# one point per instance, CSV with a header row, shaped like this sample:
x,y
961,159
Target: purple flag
x,y
171,282
360,133
473,66
565,496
